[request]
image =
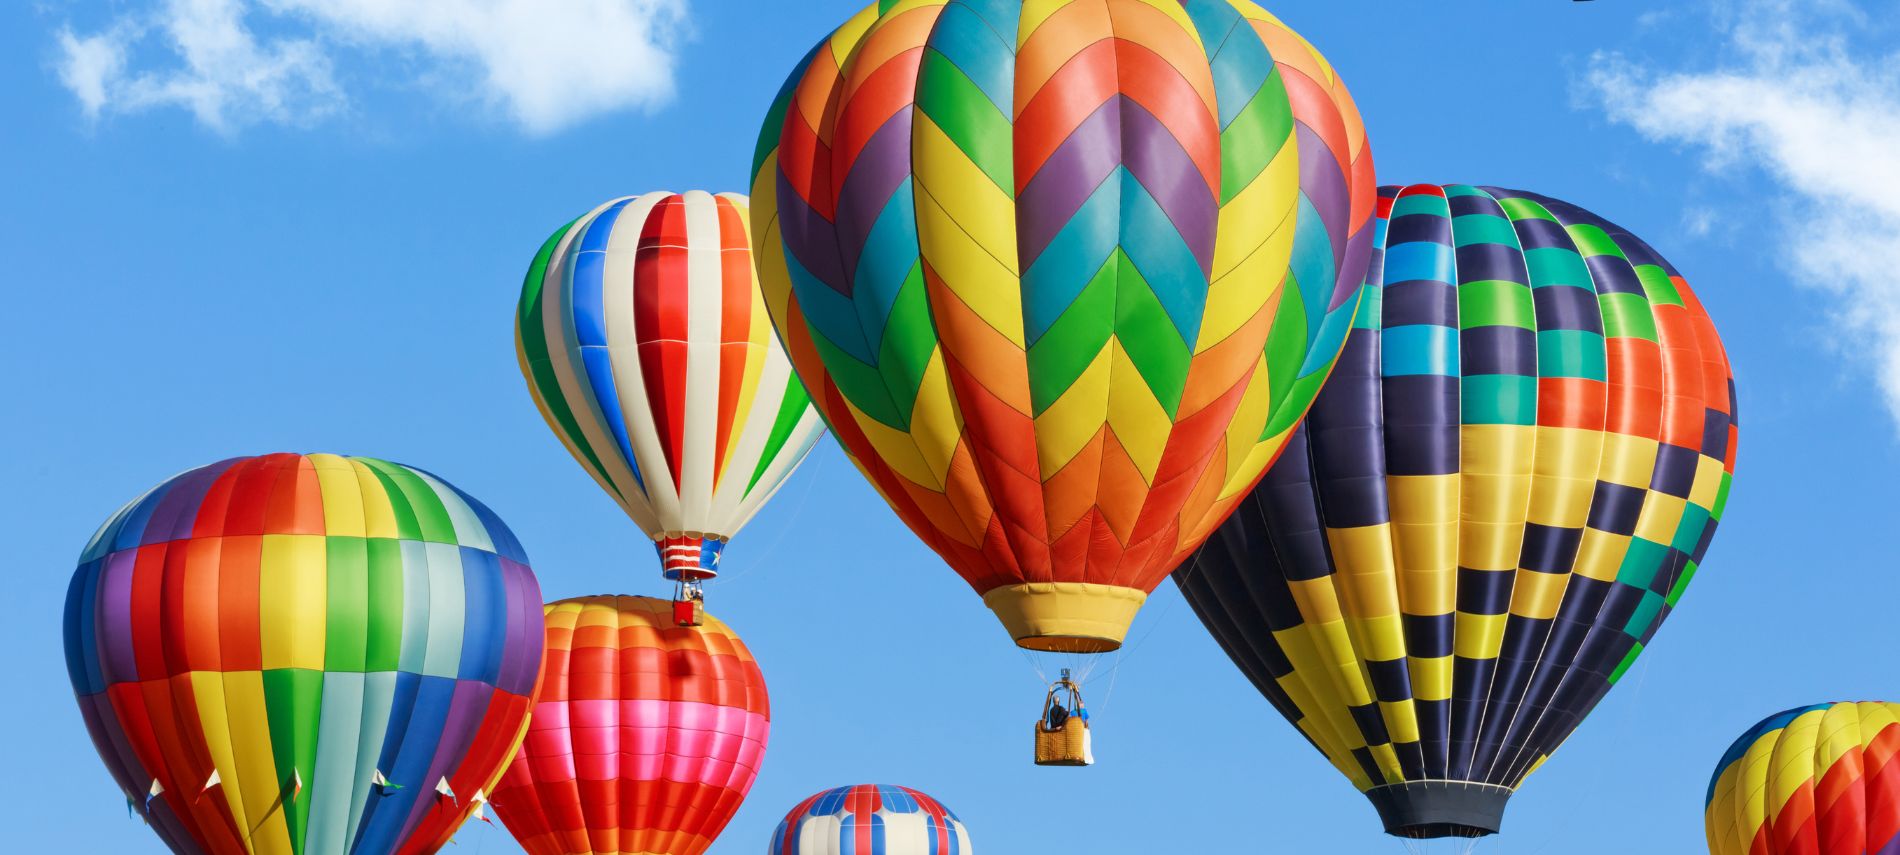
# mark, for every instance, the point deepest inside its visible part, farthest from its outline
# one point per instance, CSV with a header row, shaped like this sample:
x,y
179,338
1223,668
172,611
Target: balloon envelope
x,y
645,344
1503,490
1818,780
297,625
870,819
1062,277
646,738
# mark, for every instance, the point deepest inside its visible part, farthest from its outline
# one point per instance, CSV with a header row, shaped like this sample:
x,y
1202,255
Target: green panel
x,y
1286,342
346,620
1076,337
431,516
1498,399
1721,498
1420,203
1689,529
382,648
1571,353
1371,308
908,341
1682,584
1645,615
408,527
1291,406
1641,562
1554,266
968,117
1496,302
1150,337
1627,316
861,384
1525,209
1628,660
1592,241
790,410
1261,130
530,326
1657,285
1473,229
293,698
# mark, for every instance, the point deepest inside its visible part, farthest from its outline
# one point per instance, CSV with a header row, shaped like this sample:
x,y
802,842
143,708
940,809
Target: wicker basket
x,y
1067,745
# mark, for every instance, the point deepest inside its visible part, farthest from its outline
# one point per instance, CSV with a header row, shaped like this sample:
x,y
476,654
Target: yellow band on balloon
x,y
1066,617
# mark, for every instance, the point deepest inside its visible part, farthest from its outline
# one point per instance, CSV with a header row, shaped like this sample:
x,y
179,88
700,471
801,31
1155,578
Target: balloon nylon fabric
x,y
297,624
1818,780
870,819
1062,276
646,346
1502,492
646,738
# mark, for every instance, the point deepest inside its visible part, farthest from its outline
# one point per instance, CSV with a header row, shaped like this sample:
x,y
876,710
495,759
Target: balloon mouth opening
x,y
1426,810
1065,617
1069,644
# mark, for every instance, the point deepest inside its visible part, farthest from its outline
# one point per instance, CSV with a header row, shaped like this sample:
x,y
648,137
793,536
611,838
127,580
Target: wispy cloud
x,y
1820,118
233,63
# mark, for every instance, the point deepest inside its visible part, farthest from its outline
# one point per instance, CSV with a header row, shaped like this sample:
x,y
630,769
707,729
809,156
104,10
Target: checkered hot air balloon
x,y
645,344
256,643
1062,277
1507,483
870,819
1819,780
646,738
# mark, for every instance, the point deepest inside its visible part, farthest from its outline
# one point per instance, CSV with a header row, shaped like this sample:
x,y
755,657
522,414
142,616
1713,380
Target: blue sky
x,y
303,227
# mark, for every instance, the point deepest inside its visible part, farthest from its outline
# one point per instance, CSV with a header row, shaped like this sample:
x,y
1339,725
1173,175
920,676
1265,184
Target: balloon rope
x,y
771,549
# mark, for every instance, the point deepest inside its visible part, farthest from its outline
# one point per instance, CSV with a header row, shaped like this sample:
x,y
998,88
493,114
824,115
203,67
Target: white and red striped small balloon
x,y
870,819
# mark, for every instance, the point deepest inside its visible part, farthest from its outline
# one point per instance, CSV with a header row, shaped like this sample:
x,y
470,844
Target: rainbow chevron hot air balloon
x,y
644,343
260,644
1062,276
1501,494
1819,780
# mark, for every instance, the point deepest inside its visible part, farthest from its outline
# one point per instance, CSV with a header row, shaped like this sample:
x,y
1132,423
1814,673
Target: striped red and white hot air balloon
x,y
645,343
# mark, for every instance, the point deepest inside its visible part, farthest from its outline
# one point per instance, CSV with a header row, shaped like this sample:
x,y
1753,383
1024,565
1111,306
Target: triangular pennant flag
x,y
131,808
442,789
296,783
210,782
478,800
156,791
384,784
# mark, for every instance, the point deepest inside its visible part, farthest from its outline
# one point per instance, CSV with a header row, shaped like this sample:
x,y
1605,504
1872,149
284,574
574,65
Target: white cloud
x,y
1822,120
226,76
545,66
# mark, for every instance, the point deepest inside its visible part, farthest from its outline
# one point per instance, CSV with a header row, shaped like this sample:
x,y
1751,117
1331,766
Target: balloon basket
x,y
689,612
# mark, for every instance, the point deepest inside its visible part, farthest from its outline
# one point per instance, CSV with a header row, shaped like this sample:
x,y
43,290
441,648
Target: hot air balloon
x,y
644,343
1819,780
302,653
647,736
1062,277
1500,495
870,819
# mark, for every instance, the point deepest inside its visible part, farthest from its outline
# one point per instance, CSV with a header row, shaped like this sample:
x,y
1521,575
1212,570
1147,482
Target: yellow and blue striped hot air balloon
x,y
1062,276
1502,492
304,655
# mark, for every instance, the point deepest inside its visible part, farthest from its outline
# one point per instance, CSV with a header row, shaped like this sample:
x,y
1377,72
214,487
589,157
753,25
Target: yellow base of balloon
x,y
1066,617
